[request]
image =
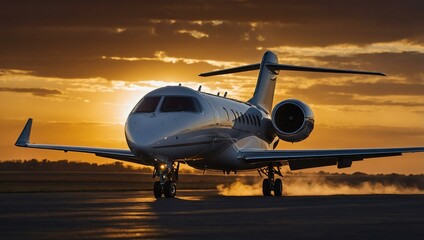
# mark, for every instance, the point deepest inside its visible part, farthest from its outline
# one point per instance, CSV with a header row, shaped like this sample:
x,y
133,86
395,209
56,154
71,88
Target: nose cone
x,y
143,133
166,136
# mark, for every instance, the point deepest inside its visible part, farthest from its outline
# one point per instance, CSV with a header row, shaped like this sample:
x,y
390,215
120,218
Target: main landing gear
x,y
269,184
168,177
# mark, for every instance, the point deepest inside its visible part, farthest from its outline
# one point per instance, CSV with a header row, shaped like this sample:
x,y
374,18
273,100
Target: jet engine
x,y
293,120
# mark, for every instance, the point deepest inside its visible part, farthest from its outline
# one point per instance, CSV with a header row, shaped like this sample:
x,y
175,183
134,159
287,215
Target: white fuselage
x,y
207,137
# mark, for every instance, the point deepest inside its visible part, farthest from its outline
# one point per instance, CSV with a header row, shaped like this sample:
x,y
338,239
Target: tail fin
x,y
265,86
268,72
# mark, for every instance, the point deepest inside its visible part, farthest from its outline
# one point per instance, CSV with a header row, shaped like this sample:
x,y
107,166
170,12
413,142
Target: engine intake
x,y
293,120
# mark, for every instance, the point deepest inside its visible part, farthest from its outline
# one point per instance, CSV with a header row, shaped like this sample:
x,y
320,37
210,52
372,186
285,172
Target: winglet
x,y
23,139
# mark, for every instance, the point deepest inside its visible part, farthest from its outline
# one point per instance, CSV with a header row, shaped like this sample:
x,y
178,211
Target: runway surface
x,y
206,215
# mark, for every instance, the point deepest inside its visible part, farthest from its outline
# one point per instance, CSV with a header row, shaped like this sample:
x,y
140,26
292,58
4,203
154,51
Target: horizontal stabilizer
x,y
244,68
276,67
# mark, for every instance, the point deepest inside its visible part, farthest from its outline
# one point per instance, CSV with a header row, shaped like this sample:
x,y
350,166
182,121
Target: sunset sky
x,y
78,68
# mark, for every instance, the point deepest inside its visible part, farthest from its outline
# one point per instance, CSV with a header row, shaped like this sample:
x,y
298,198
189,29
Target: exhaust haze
x,y
331,185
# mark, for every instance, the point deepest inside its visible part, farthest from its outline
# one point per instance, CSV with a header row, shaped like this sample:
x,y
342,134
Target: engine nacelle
x,y
293,120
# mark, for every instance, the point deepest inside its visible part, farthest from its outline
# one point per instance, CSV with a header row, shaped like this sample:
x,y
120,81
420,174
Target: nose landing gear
x,y
269,184
167,185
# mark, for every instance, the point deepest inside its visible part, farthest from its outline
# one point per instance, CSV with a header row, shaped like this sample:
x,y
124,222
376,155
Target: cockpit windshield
x,y
147,105
180,104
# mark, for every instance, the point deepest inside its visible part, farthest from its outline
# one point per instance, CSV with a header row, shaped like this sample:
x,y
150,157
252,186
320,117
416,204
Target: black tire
x,y
278,188
157,189
170,189
266,187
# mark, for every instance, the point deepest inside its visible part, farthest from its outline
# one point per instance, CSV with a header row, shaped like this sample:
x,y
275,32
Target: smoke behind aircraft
x,y
331,184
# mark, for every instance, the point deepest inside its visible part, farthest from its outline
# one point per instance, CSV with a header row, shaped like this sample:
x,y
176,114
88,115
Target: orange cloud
x,y
40,92
401,46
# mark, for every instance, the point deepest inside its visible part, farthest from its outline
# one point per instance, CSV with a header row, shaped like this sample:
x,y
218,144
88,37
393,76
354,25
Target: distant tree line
x,y
68,166
117,166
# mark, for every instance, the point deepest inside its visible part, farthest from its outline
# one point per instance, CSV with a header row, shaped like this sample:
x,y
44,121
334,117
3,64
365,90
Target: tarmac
x,y
197,214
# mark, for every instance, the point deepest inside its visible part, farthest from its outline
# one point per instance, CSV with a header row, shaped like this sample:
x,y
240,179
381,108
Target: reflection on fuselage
x,y
178,123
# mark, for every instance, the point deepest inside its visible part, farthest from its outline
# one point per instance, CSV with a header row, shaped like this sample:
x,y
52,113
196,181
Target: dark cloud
x,y
67,38
368,15
40,92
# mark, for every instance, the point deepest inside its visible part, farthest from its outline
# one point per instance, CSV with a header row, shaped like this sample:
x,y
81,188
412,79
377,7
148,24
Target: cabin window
x,y
226,112
252,120
180,104
238,117
248,119
235,117
147,105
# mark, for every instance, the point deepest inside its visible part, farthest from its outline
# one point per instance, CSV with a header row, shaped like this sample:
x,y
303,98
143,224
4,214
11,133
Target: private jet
x,y
175,124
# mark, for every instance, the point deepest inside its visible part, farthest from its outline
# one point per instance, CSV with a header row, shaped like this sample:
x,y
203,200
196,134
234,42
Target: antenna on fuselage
x,y
217,94
200,88
179,85
225,94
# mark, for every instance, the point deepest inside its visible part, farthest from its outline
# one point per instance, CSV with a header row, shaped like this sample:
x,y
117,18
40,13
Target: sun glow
x,y
132,93
79,77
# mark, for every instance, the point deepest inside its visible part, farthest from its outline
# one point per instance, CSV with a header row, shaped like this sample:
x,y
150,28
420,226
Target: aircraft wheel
x,y
170,189
266,187
157,189
278,188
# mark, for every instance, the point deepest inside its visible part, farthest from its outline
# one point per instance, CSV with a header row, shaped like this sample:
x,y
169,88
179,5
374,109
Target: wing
x,y
301,159
119,154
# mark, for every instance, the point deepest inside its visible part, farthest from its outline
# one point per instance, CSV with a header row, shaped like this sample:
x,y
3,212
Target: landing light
x,y
162,167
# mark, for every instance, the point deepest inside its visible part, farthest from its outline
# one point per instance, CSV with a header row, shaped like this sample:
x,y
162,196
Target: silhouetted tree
x,y
65,165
